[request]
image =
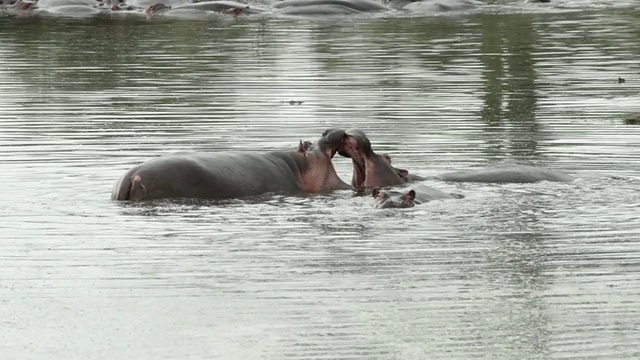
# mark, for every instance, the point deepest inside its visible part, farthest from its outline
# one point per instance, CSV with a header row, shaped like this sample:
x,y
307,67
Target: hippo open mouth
x,y
350,149
369,169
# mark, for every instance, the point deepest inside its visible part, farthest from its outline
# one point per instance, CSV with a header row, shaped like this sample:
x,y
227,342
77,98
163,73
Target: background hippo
x,y
235,174
409,197
338,5
433,6
506,174
221,6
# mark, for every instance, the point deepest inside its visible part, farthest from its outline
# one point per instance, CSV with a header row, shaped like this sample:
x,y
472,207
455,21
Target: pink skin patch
x,y
136,181
235,11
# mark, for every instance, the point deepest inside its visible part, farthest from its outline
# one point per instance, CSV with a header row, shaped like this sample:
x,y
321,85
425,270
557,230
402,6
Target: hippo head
x,y
237,11
23,5
315,162
385,200
156,8
369,169
122,6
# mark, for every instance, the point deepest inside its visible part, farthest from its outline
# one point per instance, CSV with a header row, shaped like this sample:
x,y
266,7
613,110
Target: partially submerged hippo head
x,y
237,11
369,169
315,161
156,8
385,200
20,5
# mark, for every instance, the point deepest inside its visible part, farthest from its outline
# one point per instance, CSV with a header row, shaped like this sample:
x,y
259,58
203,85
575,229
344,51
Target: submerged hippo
x,y
409,198
318,10
162,10
76,11
330,6
199,10
371,169
21,7
44,4
221,6
505,174
432,6
235,174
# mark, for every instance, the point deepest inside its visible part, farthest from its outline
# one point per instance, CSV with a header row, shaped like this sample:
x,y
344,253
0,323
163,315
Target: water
x,y
537,271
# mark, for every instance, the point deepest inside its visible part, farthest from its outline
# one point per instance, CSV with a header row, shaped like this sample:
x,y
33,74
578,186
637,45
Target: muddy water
x,y
538,271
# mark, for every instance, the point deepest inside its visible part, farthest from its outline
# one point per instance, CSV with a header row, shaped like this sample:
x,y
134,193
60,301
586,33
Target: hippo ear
x,y
301,147
410,195
402,172
375,192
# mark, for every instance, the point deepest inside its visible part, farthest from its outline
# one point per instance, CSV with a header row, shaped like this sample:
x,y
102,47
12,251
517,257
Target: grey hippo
x,y
405,198
433,6
307,169
21,8
221,6
322,7
199,10
373,170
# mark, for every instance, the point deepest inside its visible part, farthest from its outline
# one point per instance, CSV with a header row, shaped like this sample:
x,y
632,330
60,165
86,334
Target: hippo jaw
x,y
323,175
350,149
369,168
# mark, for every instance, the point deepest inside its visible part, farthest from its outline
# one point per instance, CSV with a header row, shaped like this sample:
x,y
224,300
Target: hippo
x,y
505,174
44,4
162,10
21,8
371,169
337,6
227,175
221,6
76,11
143,4
410,198
123,9
187,11
432,6
318,10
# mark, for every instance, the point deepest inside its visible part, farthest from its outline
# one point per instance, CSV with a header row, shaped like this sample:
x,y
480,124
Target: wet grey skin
x,y
220,6
439,5
373,170
355,5
409,197
21,6
318,10
506,174
224,175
